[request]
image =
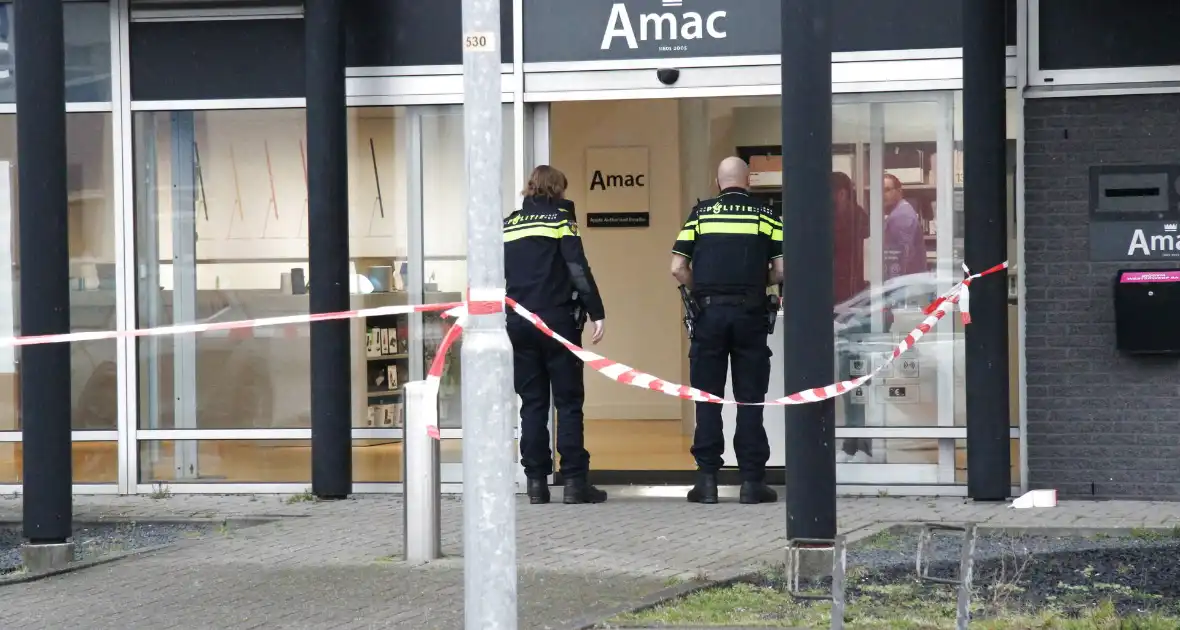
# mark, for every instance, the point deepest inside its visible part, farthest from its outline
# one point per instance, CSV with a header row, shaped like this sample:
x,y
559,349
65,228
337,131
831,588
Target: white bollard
x,y
422,513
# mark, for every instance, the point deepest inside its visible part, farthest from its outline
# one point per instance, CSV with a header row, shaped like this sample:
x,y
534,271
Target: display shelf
x,y
388,357
381,356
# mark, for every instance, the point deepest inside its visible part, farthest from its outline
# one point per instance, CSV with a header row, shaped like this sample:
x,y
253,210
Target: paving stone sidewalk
x,y
336,565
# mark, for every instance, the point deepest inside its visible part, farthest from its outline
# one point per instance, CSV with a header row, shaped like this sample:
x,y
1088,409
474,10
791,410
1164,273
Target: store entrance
x,y
896,182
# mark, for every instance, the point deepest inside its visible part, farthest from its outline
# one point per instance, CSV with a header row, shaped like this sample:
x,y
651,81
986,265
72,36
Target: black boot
x,y
538,491
706,489
756,492
578,490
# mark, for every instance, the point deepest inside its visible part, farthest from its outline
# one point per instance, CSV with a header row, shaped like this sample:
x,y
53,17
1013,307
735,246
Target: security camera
x,y
668,76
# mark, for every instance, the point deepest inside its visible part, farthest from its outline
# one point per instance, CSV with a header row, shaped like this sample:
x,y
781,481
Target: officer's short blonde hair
x,y
546,181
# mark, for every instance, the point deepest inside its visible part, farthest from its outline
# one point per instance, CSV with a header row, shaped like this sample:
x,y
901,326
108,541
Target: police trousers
x,y
540,365
725,334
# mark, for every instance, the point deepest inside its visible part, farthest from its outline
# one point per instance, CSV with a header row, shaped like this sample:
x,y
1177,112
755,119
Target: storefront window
x,y
895,250
91,222
379,239
88,52
444,210
92,462
222,235
221,222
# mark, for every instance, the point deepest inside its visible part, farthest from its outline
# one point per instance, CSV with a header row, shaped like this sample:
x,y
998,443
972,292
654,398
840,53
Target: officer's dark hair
x,y
546,181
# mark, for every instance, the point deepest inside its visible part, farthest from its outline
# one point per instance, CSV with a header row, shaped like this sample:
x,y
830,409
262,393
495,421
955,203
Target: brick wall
x,y
1098,423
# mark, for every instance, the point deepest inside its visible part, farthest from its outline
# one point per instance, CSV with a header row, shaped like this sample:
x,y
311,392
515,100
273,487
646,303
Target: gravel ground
x,y
1137,573
96,540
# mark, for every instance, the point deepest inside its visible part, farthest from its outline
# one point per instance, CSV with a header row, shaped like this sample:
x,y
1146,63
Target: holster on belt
x,y
579,312
691,310
773,302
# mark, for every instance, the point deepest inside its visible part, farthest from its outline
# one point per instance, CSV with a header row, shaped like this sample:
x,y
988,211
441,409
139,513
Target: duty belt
x,y
730,300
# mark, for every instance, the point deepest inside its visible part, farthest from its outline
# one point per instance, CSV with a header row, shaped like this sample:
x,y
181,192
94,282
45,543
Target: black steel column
x,y
328,286
808,249
985,239
44,269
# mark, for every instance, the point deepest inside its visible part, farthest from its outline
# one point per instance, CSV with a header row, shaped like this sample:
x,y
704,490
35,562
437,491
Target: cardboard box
x,y
766,164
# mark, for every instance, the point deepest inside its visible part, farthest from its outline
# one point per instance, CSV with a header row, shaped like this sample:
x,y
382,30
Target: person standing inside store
x,y
727,253
904,239
546,271
852,228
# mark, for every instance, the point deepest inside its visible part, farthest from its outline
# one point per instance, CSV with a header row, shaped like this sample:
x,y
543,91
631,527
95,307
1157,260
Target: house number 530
x,y
479,42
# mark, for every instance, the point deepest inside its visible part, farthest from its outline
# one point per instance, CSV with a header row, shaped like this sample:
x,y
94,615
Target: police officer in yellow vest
x,y
727,253
545,270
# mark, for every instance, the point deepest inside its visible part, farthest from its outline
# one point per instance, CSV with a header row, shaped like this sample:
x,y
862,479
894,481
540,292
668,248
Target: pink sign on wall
x,y
1135,277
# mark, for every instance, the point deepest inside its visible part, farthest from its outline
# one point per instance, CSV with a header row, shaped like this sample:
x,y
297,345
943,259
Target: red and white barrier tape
x,y
486,302
204,327
630,376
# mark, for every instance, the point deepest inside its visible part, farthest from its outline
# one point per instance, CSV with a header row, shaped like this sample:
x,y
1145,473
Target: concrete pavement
x,y
337,565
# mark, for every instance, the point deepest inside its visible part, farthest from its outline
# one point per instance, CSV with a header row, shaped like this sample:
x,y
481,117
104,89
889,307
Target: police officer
x,y
546,271
727,253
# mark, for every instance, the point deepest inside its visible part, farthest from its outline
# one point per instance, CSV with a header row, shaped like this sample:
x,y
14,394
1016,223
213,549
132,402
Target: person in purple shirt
x,y
904,240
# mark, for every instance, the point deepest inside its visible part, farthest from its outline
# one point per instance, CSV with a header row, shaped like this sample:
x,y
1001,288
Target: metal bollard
x,y
966,566
422,512
839,566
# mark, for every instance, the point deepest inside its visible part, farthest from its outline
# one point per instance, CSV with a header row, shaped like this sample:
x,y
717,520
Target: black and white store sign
x,y
1138,240
598,30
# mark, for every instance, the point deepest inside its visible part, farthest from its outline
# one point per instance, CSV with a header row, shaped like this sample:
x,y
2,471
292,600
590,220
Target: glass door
x,y
898,245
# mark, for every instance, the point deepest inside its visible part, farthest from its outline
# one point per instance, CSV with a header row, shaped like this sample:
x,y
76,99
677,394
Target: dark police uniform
x,y
544,265
731,239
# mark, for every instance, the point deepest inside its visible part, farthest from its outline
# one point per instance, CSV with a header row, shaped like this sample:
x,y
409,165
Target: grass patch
x,y
303,497
878,607
1151,535
886,539
1026,581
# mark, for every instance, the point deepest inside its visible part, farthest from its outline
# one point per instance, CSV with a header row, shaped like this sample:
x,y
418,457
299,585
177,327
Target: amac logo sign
x,y
661,27
1166,245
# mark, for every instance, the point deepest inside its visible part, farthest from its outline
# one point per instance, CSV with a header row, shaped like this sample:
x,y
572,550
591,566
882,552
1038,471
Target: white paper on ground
x,y
1036,499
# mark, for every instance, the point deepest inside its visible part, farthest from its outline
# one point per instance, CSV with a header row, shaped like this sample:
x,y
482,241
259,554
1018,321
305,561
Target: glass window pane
x,y
892,461
450,451
961,461
379,251
377,461
93,462
444,207
225,461
262,461
87,54
221,222
893,254
89,178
